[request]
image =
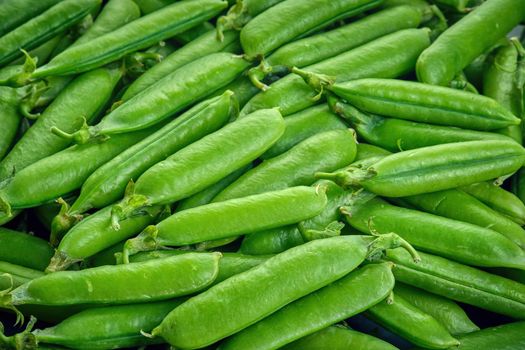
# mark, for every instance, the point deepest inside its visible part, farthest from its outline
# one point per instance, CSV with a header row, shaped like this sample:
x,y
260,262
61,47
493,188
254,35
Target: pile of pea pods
x,y
262,174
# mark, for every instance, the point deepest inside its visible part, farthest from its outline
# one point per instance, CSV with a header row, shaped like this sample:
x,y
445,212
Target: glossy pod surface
x,y
24,249
14,13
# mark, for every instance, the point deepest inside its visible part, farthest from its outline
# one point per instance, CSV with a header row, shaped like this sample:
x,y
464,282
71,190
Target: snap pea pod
x,y
447,312
24,249
136,35
312,49
43,27
412,323
149,6
354,293
11,117
292,94
235,303
505,337
498,199
272,241
453,239
68,111
168,96
434,168
467,39
366,151
460,283
302,125
237,216
339,338
12,276
16,12
273,28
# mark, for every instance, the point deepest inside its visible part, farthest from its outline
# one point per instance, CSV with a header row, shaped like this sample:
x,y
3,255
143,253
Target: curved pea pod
x,y
302,125
136,35
453,239
460,283
24,249
339,338
366,151
424,103
204,45
380,58
435,168
272,241
398,135
68,111
209,316
498,199
12,276
447,312
226,150
467,39
11,118
505,337
237,216
16,12
43,27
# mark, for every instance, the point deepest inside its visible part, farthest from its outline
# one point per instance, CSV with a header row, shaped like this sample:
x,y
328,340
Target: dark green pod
x,y
24,249
272,241
16,12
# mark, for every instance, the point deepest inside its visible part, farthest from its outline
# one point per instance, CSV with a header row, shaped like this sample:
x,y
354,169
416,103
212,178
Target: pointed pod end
x,y
60,262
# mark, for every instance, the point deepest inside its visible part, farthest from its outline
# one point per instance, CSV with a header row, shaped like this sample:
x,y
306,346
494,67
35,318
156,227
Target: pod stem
x,y
135,63
145,241
256,74
389,241
81,136
23,77
60,262
130,204
22,341
331,230
236,18
62,222
318,82
29,101
5,207
6,302
349,177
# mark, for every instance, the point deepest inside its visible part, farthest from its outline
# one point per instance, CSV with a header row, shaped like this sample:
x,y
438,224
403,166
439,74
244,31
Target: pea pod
x,y
12,275
16,12
292,94
24,249
460,283
272,241
505,337
11,118
43,27
242,87
366,151
149,6
241,215
467,39
354,293
339,338
453,239
234,304
136,35
67,111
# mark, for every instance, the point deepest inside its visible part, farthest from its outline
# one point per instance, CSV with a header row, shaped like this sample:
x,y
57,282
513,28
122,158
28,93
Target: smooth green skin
x,y
457,240
121,284
273,28
444,310
339,338
24,249
460,283
302,125
425,103
327,150
64,171
206,196
499,199
16,12
398,135
248,297
55,86
204,45
366,151
12,276
356,292
467,39
108,183
504,337
381,58
43,27
149,6
138,34
66,112
238,216
11,117
458,205
114,14
442,167
272,241
411,323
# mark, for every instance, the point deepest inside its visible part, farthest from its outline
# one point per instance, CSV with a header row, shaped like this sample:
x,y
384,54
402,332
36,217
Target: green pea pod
x,y
243,89
11,118
136,35
204,45
339,338
467,39
234,304
68,111
461,6
447,312
149,6
54,86
354,293
460,283
43,27
312,49
226,150
366,151
16,12
381,58
498,199
240,215
40,54
399,135
12,276
505,337
453,239
24,249
273,28
302,125
272,241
